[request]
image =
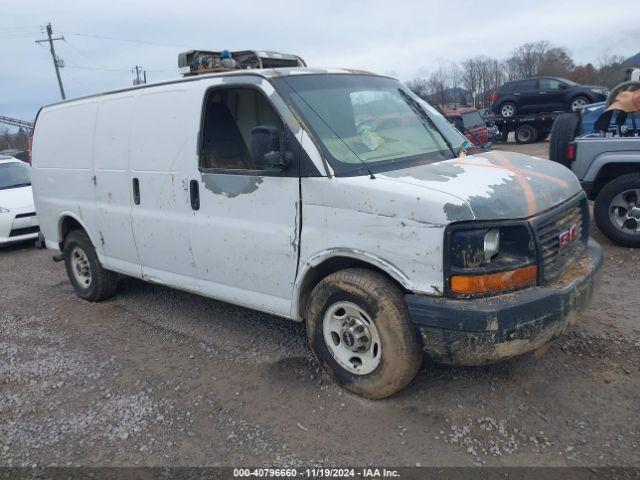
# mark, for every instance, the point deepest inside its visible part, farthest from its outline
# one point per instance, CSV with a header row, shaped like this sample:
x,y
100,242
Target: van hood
x,y
19,197
493,185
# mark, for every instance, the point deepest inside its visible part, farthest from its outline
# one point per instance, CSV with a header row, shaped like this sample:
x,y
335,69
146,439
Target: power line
x,y
99,66
9,36
85,67
147,42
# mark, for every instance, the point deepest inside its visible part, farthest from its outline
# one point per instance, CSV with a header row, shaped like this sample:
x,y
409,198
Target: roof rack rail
x,y
197,62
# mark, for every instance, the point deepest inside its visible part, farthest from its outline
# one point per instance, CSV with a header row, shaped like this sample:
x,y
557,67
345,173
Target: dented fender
x,y
305,269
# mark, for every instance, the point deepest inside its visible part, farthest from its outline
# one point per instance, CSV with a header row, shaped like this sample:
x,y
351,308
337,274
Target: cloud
x,y
407,38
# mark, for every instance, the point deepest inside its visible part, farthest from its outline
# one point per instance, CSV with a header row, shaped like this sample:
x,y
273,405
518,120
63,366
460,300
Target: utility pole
x,y
56,61
138,70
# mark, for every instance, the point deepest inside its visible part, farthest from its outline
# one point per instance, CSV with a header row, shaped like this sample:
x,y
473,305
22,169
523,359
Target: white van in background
x,y
335,197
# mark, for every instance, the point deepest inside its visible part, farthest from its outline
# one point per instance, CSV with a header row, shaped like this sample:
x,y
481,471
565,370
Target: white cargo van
x,y
337,198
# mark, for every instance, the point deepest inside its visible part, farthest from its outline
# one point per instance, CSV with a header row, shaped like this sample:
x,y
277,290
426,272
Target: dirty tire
x,y
602,205
565,129
103,282
401,354
526,134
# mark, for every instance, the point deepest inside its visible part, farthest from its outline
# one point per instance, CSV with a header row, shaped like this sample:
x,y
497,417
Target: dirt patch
x,y
160,377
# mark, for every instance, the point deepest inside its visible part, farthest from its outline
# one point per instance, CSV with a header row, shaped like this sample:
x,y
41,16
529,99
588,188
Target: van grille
x,y
554,259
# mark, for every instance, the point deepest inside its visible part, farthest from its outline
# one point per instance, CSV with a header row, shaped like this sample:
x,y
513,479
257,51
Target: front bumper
x,y
487,330
18,225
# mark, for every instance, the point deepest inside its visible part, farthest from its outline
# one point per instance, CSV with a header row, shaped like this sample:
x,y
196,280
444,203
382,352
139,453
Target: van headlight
x,y
491,244
489,260
4,210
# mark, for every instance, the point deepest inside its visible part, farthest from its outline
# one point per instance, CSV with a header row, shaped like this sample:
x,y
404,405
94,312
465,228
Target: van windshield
x,y
367,123
14,175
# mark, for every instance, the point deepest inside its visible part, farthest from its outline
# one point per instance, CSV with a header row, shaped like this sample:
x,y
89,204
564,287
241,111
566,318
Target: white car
x,y
18,221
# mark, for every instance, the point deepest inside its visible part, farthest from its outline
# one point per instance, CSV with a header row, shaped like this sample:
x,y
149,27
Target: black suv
x,y
544,94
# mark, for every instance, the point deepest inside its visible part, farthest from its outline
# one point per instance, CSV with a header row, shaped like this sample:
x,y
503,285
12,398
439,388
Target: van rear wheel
x,y
360,331
87,276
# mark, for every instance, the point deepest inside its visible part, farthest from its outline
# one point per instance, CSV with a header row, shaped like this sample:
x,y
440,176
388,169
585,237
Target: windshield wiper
x,y
423,115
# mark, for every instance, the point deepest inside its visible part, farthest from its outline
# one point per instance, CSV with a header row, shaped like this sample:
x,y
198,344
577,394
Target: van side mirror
x,y
563,86
266,149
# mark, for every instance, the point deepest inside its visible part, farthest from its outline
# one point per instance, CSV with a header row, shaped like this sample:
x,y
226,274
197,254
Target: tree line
x,y
10,140
474,80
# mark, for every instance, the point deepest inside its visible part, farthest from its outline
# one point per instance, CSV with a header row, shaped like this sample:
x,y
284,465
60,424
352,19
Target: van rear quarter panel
x,y
62,173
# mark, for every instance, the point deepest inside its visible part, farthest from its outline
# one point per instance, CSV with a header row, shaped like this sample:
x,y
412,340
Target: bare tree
x,y
437,84
557,62
22,139
419,86
4,138
454,76
481,76
610,71
471,77
527,59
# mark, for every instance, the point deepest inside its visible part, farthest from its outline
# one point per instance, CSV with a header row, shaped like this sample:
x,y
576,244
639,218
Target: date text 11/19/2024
x,y
315,473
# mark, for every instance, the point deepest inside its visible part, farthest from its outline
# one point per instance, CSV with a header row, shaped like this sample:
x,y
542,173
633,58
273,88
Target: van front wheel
x,y
360,331
90,281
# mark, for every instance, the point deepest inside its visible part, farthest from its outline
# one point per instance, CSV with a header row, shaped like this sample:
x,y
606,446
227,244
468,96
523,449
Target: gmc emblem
x,y
568,236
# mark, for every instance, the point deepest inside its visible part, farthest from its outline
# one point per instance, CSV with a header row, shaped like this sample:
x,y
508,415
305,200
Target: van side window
x,y
233,119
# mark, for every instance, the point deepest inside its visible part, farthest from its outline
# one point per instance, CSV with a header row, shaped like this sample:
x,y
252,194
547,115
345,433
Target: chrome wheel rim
x,y
624,211
352,338
507,110
80,267
578,103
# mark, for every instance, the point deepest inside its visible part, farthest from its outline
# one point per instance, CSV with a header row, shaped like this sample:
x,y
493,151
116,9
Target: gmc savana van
x,y
338,198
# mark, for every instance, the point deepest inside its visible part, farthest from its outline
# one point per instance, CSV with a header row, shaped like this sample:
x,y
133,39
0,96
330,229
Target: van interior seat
x,y
223,142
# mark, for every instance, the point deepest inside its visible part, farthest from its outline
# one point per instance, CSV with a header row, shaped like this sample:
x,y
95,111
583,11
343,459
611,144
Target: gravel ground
x,y
156,376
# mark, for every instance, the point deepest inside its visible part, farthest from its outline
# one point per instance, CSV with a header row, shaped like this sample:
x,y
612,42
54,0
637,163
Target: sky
x,y
402,38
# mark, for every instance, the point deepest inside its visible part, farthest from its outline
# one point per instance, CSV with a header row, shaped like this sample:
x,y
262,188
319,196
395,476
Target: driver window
x,y
231,116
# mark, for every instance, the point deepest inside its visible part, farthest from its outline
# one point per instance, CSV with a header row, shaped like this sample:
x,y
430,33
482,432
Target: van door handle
x,y
194,194
136,191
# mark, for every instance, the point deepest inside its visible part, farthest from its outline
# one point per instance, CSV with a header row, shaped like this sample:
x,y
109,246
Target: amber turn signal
x,y
494,282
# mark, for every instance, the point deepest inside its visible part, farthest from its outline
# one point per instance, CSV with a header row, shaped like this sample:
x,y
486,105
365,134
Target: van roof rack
x,y
197,62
